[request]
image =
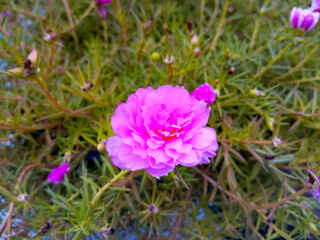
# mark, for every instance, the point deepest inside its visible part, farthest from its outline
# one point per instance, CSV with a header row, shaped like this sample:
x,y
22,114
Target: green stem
x,y
109,184
149,75
83,16
255,32
220,25
51,98
171,72
280,54
298,66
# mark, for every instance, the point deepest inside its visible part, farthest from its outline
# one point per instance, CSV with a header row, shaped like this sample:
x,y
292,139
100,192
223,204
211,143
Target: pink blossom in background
x,y
101,7
204,93
159,129
57,174
304,19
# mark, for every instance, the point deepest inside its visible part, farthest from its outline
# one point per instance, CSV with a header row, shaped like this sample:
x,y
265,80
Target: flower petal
x,y
160,172
204,138
113,144
190,159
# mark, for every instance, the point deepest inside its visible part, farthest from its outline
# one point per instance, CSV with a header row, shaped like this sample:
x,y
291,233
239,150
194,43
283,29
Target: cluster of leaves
x,y
46,115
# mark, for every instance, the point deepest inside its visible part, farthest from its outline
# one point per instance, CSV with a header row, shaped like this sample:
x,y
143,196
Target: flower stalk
x,y
108,185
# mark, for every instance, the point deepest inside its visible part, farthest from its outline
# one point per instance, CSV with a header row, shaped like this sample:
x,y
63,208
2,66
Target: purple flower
x,y
204,93
303,19
101,7
57,174
159,129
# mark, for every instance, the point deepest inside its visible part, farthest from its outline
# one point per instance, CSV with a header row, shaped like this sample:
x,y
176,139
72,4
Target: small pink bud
x,y
87,86
204,93
196,52
231,69
195,39
57,174
304,19
100,5
33,56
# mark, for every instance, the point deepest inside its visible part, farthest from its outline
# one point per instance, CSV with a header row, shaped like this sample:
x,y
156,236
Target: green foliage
x,y
48,117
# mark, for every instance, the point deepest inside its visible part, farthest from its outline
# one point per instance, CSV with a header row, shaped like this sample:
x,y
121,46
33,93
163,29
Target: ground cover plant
x,y
66,67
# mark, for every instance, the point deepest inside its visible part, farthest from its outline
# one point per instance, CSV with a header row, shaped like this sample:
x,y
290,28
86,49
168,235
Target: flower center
x,y
166,135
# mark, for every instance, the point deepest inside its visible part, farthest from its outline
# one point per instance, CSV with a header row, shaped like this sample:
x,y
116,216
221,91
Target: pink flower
x,y
103,1
100,4
315,5
303,19
57,174
159,129
204,93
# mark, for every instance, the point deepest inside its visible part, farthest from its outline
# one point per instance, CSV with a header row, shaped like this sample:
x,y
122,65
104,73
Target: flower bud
x,y
18,72
313,227
256,93
270,122
57,174
87,86
196,52
231,70
33,56
101,147
204,93
23,197
195,40
155,57
153,209
304,19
